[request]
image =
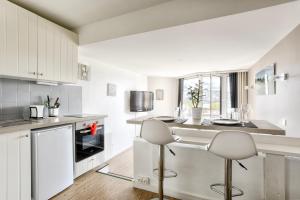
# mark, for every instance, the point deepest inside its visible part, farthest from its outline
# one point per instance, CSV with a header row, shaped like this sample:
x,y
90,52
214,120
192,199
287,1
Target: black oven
x,y
86,143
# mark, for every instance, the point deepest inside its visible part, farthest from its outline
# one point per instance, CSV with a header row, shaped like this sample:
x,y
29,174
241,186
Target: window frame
x,y
222,96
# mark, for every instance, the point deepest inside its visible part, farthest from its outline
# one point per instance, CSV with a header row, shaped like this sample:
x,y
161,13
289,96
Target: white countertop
x,y
47,122
263,127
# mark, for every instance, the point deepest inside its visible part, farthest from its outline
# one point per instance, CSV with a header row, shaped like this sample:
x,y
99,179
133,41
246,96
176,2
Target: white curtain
x,y
242,88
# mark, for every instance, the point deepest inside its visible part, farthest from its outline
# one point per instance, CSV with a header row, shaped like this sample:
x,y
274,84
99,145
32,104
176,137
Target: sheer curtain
x,y
242,82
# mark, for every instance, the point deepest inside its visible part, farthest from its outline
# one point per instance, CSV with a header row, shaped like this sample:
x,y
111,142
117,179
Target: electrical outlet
x,y
283,122
144,180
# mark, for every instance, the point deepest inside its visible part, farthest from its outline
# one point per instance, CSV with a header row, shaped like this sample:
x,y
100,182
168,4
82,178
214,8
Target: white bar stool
x,y
158,133
231,145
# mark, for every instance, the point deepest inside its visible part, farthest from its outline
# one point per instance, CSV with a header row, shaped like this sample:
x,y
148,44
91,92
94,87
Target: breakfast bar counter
x,y
262,126
197,168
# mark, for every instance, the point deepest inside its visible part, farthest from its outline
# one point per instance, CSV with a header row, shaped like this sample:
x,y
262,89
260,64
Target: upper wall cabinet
x,y
18,44
57,53
34,48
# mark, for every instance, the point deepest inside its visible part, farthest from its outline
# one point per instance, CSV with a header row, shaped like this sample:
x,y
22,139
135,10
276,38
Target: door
x,y
2,37
69,57
18,41
25,165
3,165
27,32
9,38
66,58
49,50
15,166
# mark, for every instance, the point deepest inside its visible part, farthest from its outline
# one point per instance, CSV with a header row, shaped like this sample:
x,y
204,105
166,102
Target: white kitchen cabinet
x,y
69,57
9,38
15,166
27,48
49,51
2,37
89,163
57,56
34,48
18,33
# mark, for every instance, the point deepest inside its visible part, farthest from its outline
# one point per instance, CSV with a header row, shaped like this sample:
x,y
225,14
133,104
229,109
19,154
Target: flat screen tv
x,y
141,101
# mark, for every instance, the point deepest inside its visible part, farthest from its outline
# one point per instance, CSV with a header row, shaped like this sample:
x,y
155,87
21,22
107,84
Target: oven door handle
x,y
88,131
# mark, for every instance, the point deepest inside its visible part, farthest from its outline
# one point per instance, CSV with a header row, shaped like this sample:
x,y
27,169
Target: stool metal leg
x,y
161,173
228,180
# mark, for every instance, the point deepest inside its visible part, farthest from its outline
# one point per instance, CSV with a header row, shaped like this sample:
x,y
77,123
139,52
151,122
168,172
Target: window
x,y
212,100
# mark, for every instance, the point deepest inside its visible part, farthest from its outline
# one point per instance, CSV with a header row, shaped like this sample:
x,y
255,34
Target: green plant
x,y
195,94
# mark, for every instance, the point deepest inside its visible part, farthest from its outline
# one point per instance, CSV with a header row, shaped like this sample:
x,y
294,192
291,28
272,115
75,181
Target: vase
x,y
197,113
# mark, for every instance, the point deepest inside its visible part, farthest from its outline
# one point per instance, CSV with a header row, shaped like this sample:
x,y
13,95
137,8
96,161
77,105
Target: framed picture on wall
x,y
265,83
159,93
111,89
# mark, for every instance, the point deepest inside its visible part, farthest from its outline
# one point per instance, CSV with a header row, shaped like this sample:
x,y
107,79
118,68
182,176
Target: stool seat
x,y
234,145
157,132
231,145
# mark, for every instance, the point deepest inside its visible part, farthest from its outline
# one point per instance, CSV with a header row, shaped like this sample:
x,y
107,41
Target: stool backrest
x,y
234,145
156,132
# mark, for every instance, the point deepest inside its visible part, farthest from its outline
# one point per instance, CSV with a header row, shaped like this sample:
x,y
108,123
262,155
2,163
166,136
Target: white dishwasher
x,y
52,161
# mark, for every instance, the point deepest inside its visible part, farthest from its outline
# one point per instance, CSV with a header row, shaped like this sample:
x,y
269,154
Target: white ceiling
x,y
75,13
227,43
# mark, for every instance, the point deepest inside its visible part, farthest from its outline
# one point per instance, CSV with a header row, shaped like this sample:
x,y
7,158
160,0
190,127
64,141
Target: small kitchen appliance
x,y
36,111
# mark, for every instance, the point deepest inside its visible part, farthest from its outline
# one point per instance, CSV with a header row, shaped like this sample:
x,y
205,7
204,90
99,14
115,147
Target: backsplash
x,y
17,95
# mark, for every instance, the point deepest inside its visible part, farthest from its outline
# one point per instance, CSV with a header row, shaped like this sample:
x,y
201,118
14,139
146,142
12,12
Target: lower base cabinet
x,y
88,164
15,166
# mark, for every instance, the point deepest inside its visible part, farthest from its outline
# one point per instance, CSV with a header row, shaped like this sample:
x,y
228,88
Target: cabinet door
x,y
49,37
25,165
2,37
11,35
18,41
15,166
3,166
75,63
69,57
27,29
42,48
63,57
57,53
49,71
66,58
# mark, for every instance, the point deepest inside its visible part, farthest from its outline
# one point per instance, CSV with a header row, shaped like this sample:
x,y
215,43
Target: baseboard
x,y
172,193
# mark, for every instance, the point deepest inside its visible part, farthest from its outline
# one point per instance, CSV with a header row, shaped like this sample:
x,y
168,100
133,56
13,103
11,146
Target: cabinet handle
x,y
41,74
32,73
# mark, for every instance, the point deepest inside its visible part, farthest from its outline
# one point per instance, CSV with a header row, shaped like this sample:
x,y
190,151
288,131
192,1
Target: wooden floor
x,y
122,164
96,186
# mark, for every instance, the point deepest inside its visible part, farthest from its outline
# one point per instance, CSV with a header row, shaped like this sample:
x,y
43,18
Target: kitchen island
x,y
271,175
262,126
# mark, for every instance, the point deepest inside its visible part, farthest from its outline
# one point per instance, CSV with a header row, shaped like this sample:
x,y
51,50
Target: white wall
x,y
285,104
95,101
168,105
